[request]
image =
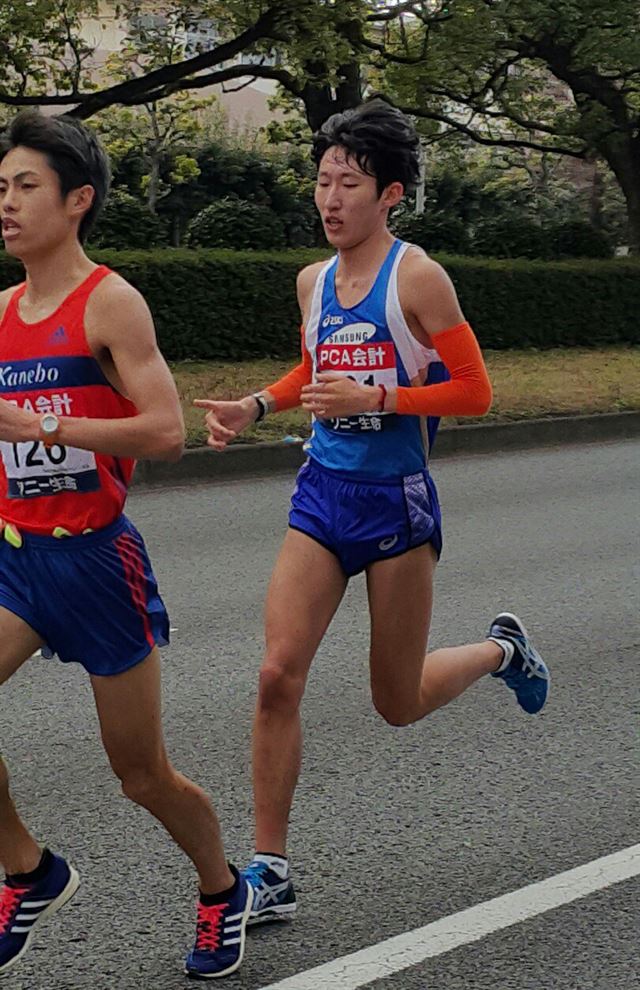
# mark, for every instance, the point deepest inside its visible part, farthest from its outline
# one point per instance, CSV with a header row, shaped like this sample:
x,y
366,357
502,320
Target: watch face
x,y
49,423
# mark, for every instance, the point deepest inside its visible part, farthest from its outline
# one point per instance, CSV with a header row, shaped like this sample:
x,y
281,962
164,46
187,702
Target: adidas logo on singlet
x,y
58,336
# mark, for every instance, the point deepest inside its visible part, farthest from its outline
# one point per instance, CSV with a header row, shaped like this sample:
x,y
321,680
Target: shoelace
x,y
209,926
255,873
9,900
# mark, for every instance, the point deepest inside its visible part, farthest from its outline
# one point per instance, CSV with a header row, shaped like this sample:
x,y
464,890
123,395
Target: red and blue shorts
x,y
93,599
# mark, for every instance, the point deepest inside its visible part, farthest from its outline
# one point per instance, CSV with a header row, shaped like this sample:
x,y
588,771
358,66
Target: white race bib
x,y
33,469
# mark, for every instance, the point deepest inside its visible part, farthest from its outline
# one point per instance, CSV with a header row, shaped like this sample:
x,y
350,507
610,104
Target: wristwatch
x,y
49,427
263,406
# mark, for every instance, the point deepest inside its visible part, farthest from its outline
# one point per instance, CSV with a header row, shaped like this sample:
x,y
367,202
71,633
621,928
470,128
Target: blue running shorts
x,y
93,599
361,521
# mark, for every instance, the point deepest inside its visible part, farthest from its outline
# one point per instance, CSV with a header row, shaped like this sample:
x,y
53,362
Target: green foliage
x,y
42,47
149,147
579,239
434,231
236,306
518,303
503,235
237,224
508,238
126,222
560,78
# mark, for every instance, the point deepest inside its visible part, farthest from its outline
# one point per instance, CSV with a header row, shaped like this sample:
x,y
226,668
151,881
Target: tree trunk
x,y
321,101
595,200
153,188
623,158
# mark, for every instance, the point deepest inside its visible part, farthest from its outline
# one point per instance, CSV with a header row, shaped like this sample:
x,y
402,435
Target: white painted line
x,y
402,951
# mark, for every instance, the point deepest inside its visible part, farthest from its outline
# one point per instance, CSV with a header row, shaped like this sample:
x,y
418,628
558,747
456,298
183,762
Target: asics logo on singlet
x,y
36,375
332,321
388,543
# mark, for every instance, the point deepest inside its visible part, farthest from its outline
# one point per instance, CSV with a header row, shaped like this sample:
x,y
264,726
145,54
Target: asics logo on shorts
x,y
388,543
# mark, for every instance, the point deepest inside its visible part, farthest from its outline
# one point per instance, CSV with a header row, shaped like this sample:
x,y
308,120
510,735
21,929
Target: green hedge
x,y
238,305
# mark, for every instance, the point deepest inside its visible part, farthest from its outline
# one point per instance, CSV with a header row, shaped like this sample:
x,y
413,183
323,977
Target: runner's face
x,y
35,217
347,200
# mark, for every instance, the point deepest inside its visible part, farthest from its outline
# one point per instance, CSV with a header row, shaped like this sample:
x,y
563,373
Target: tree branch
x,y
285,78
158,81
478,138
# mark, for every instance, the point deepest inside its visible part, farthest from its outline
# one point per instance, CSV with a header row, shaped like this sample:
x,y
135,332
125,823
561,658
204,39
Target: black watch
x,y
263,407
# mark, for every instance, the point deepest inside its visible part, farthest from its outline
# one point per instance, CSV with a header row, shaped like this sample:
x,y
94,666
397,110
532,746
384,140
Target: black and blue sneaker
x,y
523,669
221,934
24,907
274,898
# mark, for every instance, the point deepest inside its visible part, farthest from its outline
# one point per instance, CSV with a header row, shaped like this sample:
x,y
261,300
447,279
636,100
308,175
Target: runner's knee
x,y
141,783
393,710
280,687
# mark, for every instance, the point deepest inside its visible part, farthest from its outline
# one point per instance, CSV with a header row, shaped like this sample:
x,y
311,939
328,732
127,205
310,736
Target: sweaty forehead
x,y
338,159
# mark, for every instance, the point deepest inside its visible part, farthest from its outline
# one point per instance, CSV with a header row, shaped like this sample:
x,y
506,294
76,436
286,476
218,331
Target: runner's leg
x,y
406,684
306,588
129,709
19,852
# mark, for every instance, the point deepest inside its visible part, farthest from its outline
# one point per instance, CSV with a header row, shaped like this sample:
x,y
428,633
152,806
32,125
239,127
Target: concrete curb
x,y
247,460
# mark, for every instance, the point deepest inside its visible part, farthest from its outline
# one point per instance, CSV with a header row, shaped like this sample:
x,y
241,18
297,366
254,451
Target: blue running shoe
x,y
526,673
221,934
23,909
273,897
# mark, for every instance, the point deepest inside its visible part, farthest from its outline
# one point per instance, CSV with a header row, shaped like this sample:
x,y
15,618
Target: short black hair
x,y
381,138
72,151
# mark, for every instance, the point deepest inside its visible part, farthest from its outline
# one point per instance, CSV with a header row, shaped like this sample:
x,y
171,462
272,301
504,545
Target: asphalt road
x,y
392,828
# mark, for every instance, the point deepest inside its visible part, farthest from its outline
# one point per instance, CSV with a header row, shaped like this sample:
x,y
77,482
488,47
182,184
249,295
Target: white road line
x,y
398,953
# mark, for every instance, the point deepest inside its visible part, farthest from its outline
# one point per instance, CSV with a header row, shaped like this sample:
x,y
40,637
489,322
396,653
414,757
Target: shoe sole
x,y
521,625
280,912
62,898
194,975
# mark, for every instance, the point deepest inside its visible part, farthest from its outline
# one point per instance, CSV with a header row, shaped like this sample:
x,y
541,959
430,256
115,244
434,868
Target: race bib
x,y
368,363
33,470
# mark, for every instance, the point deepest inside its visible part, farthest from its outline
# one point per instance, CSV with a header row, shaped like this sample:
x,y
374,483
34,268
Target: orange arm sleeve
x,y
286,391
468,393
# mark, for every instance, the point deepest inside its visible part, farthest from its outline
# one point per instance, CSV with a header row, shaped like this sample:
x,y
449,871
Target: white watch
x,y
49,426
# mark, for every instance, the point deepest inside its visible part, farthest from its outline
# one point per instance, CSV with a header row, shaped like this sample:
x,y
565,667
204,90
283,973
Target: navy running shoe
x,y
221,934
25,908
273,897
526,673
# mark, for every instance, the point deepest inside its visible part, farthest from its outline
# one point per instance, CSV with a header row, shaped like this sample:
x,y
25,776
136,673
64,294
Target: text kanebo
x,y
31,376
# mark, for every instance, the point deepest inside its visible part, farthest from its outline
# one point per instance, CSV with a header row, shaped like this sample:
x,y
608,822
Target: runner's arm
x,y
120,330
428,296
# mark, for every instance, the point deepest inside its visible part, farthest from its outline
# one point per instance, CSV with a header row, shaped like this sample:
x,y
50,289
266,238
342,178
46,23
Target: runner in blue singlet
x,y
386,351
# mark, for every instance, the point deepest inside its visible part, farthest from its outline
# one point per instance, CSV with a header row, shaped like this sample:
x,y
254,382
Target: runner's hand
x,y
333,395
225,420
17,425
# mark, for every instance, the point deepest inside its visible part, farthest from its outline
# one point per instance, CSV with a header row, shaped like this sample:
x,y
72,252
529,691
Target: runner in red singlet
x,y
84,391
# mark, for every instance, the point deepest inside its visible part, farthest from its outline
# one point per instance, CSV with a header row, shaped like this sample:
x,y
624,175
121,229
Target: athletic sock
x,y
279,864
507,649
223,896
35,876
